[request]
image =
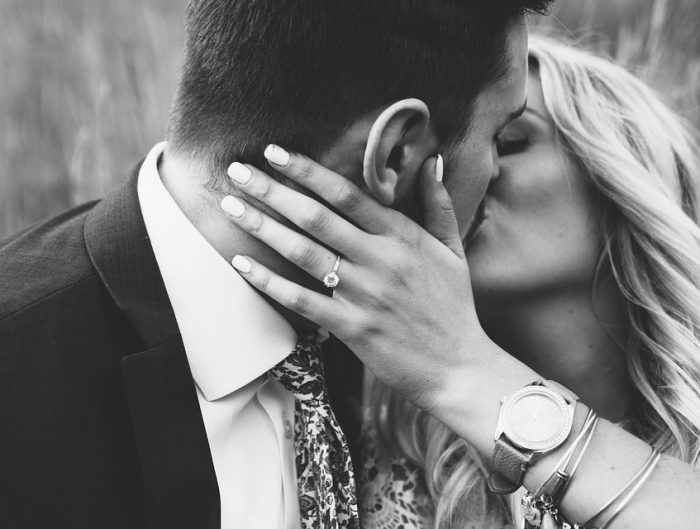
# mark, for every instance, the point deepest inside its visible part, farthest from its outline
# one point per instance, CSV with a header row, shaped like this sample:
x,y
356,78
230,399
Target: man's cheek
x,y
462,212
466,201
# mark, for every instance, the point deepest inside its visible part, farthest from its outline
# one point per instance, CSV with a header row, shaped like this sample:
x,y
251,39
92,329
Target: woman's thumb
x,y
439,216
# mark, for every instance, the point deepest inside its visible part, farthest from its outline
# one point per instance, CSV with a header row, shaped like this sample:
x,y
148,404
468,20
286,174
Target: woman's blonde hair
x,y
643,160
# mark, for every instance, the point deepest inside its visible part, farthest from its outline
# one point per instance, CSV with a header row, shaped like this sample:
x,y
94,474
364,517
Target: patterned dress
x,y
392,494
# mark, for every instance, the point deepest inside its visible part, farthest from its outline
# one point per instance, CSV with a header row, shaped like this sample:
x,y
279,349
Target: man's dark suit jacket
x,y
99,421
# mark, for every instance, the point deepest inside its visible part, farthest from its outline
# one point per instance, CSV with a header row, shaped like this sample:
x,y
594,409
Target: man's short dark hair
x,y
300,72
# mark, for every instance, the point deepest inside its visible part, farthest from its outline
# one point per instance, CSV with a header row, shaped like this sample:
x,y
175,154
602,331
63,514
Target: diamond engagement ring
x,y
331,279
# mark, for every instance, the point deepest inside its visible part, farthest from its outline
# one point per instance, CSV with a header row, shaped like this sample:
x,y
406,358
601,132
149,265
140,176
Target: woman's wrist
x,y
469,401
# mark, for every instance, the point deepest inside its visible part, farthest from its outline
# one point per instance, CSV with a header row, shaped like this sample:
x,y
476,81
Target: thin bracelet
x,y
623,503
584,449
566,459
629,489
557,482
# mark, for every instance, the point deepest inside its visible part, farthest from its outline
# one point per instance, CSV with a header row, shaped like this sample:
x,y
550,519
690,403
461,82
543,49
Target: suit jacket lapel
x,y
178,473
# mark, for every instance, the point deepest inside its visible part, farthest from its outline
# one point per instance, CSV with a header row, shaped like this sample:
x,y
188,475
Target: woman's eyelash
x,y
510,146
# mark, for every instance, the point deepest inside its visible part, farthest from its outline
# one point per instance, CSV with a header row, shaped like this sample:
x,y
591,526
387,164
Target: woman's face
x,y
536,232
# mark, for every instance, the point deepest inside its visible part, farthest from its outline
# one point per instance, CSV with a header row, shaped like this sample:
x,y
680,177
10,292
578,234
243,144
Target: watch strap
x,y
509,465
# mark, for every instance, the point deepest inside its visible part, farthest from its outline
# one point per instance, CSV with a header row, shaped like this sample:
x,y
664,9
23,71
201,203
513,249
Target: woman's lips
x,y
477,221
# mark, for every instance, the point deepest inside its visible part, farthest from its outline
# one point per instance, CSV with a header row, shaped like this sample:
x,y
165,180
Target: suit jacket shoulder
x,y
43,261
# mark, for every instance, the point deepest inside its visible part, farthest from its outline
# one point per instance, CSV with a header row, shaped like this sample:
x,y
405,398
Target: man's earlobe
x,y
400,140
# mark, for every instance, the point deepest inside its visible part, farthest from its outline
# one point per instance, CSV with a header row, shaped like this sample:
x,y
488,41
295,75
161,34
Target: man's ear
x,y
399,142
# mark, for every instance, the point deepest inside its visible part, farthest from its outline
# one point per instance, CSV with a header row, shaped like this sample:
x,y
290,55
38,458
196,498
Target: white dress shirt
x,y
232,337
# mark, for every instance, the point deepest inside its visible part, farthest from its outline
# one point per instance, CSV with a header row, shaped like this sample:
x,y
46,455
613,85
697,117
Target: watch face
x,y
537,418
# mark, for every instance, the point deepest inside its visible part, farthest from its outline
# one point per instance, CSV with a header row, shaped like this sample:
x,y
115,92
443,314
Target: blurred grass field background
x,y
86,84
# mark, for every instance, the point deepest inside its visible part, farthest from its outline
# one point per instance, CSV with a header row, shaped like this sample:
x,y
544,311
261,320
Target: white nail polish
x,y
277,155
239,173
439,168
233,206
242,264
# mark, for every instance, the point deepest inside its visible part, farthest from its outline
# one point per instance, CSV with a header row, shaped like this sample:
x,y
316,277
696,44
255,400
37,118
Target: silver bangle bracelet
x,y
628,491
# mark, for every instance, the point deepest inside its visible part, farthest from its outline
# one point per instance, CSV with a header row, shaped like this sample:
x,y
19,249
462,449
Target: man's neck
x,y
186,183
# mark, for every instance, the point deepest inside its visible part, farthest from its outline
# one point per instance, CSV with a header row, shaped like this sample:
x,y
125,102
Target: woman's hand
x,y
404,303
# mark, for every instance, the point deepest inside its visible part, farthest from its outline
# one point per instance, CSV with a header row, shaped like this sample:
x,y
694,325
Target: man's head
x,y
303,73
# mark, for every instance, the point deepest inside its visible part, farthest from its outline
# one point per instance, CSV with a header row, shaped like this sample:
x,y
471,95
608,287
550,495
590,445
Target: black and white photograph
x,y
350,264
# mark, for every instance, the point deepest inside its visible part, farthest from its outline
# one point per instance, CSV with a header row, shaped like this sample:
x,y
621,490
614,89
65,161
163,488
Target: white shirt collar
x,y
231,334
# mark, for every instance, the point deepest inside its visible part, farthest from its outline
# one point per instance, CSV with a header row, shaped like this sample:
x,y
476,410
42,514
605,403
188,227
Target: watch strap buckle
x,y
500,485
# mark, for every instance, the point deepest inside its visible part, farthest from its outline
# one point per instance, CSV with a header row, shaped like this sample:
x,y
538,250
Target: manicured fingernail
x,y
439,168
242,264
232,206
277,155
239,173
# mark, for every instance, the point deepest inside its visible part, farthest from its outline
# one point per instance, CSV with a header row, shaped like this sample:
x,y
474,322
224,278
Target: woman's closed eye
x,y
509,143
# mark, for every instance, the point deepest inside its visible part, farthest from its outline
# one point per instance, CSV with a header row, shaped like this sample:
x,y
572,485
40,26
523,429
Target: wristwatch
x,y
534,420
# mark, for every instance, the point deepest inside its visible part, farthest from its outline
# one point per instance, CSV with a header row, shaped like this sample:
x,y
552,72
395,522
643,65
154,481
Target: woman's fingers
x,y
313,306
308,255
439,215
312,217
335,189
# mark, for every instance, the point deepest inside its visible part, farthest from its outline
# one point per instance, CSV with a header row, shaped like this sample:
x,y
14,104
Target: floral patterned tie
x,y
325,478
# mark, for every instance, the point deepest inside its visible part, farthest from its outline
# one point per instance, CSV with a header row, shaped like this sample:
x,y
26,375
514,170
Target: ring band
x,y
331,279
